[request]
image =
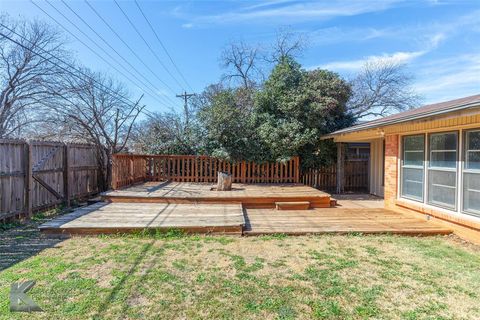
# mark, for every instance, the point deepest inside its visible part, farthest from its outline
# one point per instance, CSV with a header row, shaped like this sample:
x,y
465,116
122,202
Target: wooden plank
x,y
114,218
268,221
44,184
28,180
40,164
66,173
296,205
126,217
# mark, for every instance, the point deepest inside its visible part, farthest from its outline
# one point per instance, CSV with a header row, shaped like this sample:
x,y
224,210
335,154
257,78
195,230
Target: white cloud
x,y
355,65
432,43
447,78
267,4
287,10
333,35
187,25
436,39
432,33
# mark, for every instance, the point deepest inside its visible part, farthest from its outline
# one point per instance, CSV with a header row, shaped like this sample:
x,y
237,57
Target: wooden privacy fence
x,y
39,174
356,175
128,169
325,178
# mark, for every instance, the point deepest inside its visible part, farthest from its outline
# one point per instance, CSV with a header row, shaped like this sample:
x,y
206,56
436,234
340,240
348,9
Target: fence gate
x,y
37,175
48,172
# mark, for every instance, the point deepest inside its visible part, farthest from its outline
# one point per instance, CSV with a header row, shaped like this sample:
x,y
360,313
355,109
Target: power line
x,y
96,53
128,46
186,96
147,44
151,87
163,47
115,94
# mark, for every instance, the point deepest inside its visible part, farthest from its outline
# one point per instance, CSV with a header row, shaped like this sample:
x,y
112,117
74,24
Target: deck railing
x,y
129,169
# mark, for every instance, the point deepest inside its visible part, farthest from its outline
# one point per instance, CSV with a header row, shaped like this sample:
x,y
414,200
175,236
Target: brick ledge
x,y
427,210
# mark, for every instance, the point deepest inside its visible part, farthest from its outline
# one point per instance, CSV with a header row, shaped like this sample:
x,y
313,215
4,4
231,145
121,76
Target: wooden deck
x,y
337,220
250,195
231,219
250,209
129,217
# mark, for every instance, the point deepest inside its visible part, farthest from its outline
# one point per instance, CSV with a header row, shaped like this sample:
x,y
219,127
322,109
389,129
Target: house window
x,y
471,173
383,163
442,169
413,167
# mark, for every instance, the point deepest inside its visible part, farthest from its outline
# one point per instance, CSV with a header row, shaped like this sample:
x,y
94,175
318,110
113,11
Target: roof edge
x,y
366,125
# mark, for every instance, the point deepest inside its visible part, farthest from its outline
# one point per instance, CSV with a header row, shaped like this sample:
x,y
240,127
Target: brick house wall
x,y
391,170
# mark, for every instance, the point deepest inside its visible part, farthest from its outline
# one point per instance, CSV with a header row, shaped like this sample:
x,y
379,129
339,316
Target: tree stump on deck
x,y
224,181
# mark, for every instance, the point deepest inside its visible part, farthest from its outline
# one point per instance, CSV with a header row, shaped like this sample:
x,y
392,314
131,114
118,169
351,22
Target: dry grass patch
x,y
195,277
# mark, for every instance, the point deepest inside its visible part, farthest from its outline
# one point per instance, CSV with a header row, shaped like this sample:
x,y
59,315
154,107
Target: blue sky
x,y
438,40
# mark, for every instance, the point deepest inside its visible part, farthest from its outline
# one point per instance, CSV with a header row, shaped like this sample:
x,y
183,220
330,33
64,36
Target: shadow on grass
x,y
122,283
22,241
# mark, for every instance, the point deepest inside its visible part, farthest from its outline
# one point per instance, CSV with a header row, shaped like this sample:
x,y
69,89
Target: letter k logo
x,y
19,301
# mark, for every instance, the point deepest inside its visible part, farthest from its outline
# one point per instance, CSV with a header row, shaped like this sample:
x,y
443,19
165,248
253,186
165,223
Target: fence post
x,y
244,171
340,167
297,169
66,174
195,168
148,176
131,170
28,184
114,172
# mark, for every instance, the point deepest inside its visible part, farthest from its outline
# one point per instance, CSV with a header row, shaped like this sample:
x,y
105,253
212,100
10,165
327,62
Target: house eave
x,y
382,124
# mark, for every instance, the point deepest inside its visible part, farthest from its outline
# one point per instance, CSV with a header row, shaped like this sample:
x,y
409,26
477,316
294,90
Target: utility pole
x,y
186,96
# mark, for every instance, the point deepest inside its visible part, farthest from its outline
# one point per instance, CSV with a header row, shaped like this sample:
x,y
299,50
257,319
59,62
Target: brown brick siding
x,y
391,168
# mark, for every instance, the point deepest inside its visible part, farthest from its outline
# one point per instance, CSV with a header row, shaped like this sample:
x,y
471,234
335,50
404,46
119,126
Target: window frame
x,y
460,168
403,166
465,170
454,169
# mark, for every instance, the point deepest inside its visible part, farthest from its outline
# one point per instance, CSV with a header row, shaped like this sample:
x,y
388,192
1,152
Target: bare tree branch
x,y
242,64
287,44
26,77
381,88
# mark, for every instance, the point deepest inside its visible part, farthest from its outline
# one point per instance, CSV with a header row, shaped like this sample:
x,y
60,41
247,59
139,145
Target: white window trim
x,y
463,171
428,168
459,211
401,153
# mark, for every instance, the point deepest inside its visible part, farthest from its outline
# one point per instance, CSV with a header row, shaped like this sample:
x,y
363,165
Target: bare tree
x,y
97,110
287,44
27,77
245,64
381,88
242,64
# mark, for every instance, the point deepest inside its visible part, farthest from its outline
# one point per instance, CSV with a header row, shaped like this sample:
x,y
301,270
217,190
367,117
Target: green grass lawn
x,y
196,277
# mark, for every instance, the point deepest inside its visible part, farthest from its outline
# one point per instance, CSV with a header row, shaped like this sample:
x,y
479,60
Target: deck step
x,y
333,202
297,205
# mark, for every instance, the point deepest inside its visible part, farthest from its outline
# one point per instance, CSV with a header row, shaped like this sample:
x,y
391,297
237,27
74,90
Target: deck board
x,y
337,220
126,217
248,209
250,195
